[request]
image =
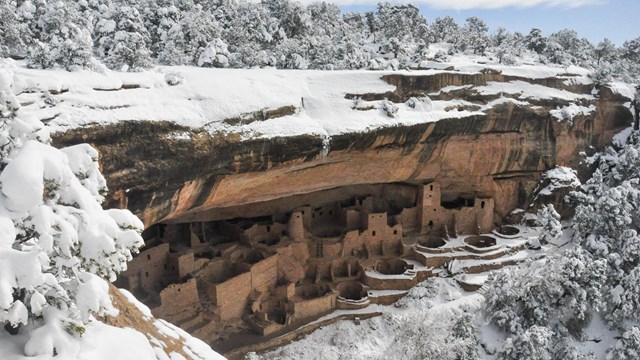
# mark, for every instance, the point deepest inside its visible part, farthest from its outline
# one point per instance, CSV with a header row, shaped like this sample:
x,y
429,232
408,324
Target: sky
x,y
618,20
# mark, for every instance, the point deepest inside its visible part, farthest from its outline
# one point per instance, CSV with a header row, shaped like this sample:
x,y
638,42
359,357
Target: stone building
x,y
288,268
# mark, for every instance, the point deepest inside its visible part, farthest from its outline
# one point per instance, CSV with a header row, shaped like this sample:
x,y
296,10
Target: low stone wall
x,y
387,299
393,282
239,354
438,261
347,304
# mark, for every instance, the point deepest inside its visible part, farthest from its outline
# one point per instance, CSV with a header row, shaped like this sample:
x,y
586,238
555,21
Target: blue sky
x,y
618,20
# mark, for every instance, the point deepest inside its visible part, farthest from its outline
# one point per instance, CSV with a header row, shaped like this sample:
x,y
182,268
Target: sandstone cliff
x,y
501,136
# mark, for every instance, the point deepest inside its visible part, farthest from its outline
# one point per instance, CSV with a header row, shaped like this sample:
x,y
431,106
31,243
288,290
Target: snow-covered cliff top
x,y
205,97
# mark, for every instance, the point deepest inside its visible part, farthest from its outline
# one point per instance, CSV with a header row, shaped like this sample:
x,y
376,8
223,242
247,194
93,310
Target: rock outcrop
x,y
499,152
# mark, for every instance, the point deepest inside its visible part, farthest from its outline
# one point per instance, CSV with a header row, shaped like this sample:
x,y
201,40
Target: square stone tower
x,y
429,207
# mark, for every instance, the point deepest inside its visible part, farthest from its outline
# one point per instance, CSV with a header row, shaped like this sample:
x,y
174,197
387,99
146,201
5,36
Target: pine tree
x,y
549,220
535,41
125,47
473,36
533,344
605,51
444,30
63,38
57,244
628,347
12,30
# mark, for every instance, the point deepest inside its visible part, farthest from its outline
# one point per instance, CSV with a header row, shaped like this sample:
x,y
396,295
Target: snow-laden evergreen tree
x,y
561,292
628,347
465,335
159,18
605,51
103,26
535,41
605,225
631,49
444,30
13,31
473,36
124,40
327,30
251,33
215,54
400,31
293,18
533,344
57,245
549,220
507,47
291,54
356,47
195,32
63,37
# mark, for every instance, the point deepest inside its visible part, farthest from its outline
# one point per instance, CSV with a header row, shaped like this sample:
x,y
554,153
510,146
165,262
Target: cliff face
x,y
499,149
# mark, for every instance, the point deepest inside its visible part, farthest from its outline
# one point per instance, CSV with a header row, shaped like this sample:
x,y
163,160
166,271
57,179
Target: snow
x,y
204,97
475,279
570,111
192,345
560,177
376,275
104,342
423,320
624,89
527,90
621,138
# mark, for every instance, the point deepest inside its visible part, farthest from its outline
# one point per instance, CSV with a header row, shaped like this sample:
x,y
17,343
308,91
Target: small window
x,y
165,266
373,233
395,232
313,215
284,233
268,228
321,213
146,274
330,212
431,187
430,223
148,256
178,289
482,204
302,212
434,210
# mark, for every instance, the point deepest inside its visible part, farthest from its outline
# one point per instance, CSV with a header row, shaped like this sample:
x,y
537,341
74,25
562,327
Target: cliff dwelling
x,y
344,248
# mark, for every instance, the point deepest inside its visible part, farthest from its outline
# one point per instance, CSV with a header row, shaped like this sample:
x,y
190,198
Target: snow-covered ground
x,y
416,328
104,342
